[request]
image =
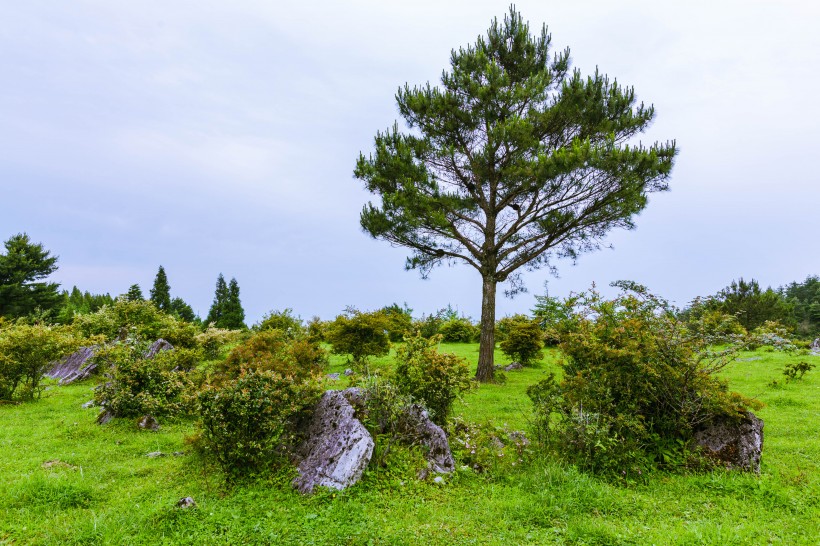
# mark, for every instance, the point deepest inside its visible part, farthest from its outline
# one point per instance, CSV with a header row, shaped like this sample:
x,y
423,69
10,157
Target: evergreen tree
x,y
217,310
22,270
751,305
161,292
514,161
134,293
233,315
182,310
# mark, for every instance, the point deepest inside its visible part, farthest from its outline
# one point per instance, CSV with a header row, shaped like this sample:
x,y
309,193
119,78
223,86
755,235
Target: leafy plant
x,y
796,370
359,334
274,350
522,339
458,330
139,319
432,378
285,321
26,352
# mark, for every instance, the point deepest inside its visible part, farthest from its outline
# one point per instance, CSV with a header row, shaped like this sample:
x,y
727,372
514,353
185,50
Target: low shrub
x,y
26,353
433,379
284,321
360,335
487,448
138,319
252,422
458,330
636,385
522,339
145,386
274,350
796,370
213,340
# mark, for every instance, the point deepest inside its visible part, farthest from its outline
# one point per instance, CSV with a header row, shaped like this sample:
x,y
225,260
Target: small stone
x,y
155,454
349,372
186,502
147,422
333,376
438,479
89,404
179,454
513,366
104,417
157,347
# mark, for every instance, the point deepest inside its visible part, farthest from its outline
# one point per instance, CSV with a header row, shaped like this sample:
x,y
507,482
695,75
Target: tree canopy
x,y
23,268
513,161
161,291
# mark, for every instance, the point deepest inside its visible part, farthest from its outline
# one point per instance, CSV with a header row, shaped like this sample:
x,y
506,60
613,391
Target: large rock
x,y
737,444
157,347
417,427
337,449
75,366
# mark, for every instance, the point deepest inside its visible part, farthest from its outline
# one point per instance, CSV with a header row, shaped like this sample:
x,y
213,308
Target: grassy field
x,y
66,480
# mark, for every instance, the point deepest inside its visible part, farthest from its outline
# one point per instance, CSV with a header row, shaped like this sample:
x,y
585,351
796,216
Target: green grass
x,y
104,490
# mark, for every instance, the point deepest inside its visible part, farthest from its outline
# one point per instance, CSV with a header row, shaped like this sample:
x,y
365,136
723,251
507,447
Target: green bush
x,y
458,330
399,321
138,319
251,422
213,340
523,339
360,335
274,350
284,321
636,385
140,386
434,379
487,448
26,352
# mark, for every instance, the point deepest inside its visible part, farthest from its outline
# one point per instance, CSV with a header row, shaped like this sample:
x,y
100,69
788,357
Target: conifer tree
x,y
515,160
161,292
134,293
234,315
22,270
217,310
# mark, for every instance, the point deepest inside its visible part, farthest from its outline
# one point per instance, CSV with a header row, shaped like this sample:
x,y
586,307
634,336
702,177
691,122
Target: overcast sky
x,y
217,137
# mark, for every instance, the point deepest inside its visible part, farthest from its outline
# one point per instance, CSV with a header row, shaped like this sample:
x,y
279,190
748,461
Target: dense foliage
x,y
359,334
23,268
226,310
273,350
26,352
636,385
251,422
139,319
805,301
285,321
522,339
432,378
80,303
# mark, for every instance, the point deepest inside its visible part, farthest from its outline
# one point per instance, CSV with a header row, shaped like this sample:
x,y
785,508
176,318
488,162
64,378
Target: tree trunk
x,y
486,349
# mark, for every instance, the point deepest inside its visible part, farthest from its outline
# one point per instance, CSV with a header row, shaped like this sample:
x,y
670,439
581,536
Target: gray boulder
x,y
737,444
148,422
349,372
417,427
75,366
513,366
337,448
333,376
157,347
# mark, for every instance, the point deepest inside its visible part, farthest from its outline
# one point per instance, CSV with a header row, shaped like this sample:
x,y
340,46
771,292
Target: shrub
x,y
316,330
523,339
26,352
636,385
282,320
274,350
213,339
399,321
251,422
144,386
771,334
487,448
361,335
139,319
796,370
434,379
458,330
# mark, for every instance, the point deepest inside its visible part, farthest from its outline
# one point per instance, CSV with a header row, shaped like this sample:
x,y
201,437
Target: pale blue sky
x,y
221,137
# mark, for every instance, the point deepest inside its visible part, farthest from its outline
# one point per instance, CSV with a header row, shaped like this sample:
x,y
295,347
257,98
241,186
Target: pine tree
x,y
161,292
217,310
515,160
134,293
233,316
182,310
22,270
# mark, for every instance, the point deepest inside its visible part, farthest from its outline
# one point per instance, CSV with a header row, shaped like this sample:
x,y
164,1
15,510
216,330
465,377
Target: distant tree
x,y
161,291
751,305
400,320
512,161
233,316
359,334
182,310
218,306
134,293
805,300
22,270
80,303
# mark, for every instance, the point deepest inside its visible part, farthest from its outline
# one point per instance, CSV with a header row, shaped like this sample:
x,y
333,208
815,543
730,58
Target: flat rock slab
x,y
737,444
75,366
337,449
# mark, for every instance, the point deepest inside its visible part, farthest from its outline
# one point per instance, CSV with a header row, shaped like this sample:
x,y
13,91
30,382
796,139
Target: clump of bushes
x,y
432,378
138,385
284,321
487,448
636,385
213,339
458,330
273,350
360,335
522,338
139,319
250,423
26,352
